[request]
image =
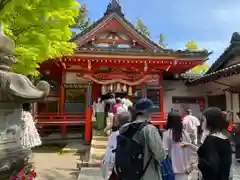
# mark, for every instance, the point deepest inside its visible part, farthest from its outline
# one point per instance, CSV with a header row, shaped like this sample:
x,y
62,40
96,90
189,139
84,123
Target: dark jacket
x,y
215,158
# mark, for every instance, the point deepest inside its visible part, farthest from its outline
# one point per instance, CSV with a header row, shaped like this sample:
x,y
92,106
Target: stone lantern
x,y
15,89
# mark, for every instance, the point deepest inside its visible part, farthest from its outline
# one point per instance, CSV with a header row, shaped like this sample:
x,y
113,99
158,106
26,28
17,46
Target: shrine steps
x,y
98,149
96,153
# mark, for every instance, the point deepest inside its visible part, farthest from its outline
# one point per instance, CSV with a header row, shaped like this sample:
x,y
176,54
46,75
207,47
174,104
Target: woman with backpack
x,y
173,137
215,154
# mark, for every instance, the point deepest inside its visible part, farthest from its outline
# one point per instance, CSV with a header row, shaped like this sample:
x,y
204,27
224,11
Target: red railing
x,y
159,119
53,119
68,119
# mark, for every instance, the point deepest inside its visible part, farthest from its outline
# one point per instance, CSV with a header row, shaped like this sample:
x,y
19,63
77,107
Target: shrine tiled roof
x,y
219,68
191,75
182,53
228,71
115,9
226,55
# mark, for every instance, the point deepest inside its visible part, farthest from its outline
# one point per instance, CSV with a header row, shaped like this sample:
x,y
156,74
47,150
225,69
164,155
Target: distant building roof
x,y
219,68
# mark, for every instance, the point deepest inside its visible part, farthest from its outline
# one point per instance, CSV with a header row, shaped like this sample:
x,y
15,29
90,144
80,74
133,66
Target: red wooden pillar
x,y
62,99
88,114
161,99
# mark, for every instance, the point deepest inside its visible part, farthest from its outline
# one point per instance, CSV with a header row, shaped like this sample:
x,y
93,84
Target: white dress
x,y
109,157
30,137
181,157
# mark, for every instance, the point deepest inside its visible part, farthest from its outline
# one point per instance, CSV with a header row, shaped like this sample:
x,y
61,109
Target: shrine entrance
x,y
112,55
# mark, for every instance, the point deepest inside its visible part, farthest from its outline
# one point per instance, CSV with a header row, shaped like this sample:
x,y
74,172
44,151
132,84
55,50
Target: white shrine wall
x,y
177,89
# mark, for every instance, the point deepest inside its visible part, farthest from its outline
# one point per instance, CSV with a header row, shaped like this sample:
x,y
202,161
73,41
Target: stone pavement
x,y
90,174
95,173
236,170
51,166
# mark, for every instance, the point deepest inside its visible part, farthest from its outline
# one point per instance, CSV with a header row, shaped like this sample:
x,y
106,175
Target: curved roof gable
x,y
114,19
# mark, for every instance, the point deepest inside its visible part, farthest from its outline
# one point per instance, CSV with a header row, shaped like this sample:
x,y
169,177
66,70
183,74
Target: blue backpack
x,y
166,169
129,157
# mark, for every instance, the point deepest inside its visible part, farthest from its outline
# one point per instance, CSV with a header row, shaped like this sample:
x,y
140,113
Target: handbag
x,y
166,169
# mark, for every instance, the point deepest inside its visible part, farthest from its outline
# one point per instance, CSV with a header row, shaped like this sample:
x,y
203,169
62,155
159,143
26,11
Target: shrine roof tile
x,y
191,75
114,8
95,24
228,71
226,55
181,53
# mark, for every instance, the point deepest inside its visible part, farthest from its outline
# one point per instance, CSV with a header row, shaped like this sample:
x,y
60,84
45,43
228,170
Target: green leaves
x,y
192,45
40,30
142,28
82,21
202,68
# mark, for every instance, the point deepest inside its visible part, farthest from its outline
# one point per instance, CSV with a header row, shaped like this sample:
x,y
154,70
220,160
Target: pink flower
x,y
13,178
22,172
34,173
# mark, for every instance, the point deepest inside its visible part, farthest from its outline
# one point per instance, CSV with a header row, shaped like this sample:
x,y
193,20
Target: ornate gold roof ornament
x,y
118,88
111,87
124,88
130,93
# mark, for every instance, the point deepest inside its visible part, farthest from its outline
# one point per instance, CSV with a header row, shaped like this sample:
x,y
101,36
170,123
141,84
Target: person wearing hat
x,y
150,138
190,124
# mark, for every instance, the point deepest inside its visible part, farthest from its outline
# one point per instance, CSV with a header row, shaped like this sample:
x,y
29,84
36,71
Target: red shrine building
x,y
113,56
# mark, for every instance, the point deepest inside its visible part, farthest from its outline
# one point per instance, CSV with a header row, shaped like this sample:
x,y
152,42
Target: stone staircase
x,y
97,150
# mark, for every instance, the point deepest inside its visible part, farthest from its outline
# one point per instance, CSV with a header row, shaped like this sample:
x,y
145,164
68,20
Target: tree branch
x,y
3,3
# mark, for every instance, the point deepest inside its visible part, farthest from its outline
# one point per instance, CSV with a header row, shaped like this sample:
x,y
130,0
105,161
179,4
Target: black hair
x,y
175,124
26,106
118,100
215,119
188,112
132,112
169,124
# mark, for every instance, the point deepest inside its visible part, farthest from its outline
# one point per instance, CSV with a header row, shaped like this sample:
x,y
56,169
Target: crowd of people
x,y
137,150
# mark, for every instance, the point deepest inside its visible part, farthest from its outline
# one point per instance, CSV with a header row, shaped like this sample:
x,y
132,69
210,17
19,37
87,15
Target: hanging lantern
x,y
124,88
111,88
130,91
103,90
118,89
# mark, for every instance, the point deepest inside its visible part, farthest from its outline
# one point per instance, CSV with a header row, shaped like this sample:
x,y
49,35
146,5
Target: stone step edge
x,y
82,164
71,151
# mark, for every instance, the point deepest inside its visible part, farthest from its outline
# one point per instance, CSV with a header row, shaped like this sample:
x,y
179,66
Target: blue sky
x,y
209,22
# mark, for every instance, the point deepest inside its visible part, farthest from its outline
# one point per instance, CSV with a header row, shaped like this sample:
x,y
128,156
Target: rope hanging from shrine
x,y
122,81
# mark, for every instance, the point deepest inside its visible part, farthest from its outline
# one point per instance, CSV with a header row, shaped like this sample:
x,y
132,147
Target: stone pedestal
x,y
15,89
12,155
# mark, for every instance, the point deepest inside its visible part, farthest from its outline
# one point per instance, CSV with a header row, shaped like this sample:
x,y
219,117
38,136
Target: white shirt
x,y
190,123
99,107
127,102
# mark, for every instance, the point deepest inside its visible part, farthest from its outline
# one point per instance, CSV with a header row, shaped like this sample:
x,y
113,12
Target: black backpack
x,y
129,157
